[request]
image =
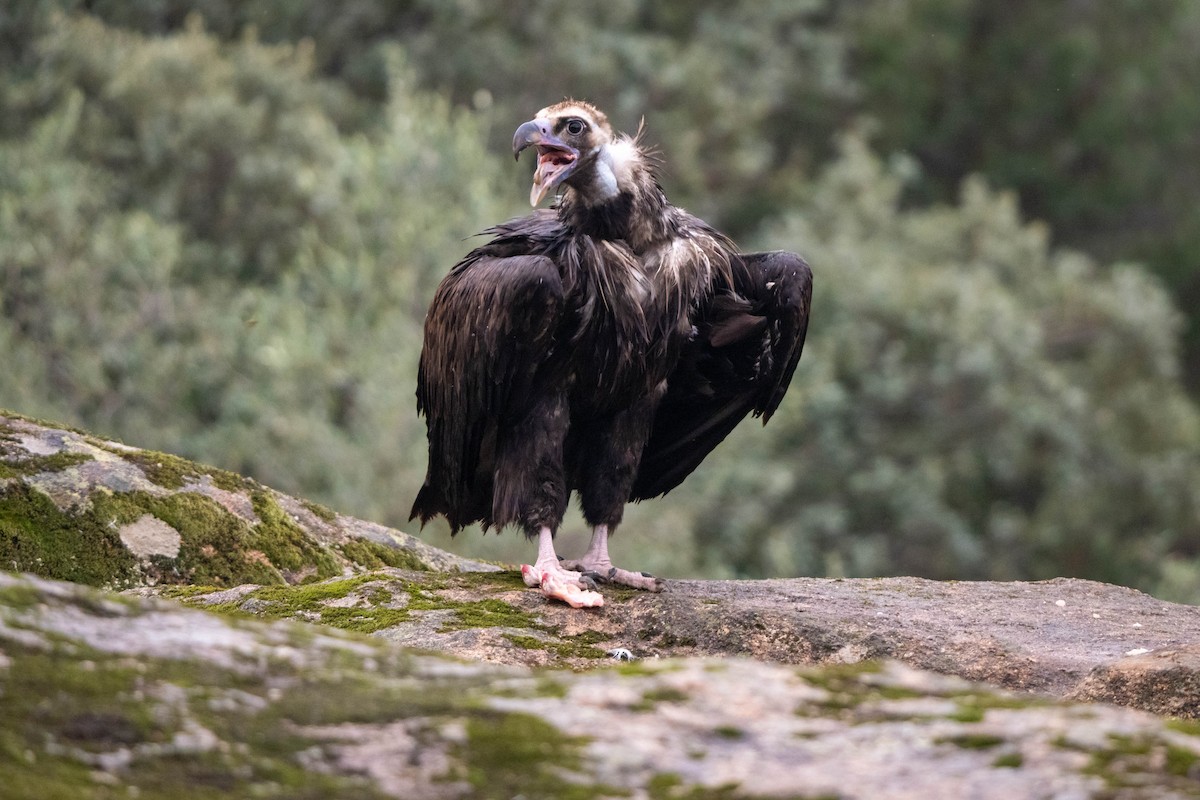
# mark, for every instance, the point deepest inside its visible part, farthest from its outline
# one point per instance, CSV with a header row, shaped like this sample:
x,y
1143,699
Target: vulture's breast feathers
x,y
635,268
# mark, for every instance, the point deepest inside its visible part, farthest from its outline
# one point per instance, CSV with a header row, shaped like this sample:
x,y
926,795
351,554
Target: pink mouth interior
x,y
554,156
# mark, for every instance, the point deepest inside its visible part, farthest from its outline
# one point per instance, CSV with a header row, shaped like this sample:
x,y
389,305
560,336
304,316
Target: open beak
x,y
556,159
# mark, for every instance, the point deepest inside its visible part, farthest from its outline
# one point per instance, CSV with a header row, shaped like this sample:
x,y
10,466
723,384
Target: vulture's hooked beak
x,y
556,159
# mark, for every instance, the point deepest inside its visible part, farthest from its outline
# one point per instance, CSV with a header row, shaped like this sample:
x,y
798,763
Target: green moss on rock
x,y
286,544
319,511
172,472
382,601
33,465
374,555
77,546
510,754
18,597
1182,762
311,602
972,741
215,545
70,711
671,786
304,602
41,423
1191,727
182,592
644,667
218,548
661,694
564,648
487,613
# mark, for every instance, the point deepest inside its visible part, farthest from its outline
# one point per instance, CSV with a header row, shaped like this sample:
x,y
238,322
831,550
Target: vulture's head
x,y
576,147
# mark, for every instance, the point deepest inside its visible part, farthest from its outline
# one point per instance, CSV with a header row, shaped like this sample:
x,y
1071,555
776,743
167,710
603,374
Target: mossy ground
x,y
861,691
164,469
575,646
217,547
172,472
671,786
320,511
81,723
373,555
1133,761
310,602
374,601
287,546
519,755
972,741
662,694
55,462
91,725
7,414
77,546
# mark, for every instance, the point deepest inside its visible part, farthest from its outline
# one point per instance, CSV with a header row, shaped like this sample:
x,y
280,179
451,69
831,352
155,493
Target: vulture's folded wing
x,y
747,344
489,336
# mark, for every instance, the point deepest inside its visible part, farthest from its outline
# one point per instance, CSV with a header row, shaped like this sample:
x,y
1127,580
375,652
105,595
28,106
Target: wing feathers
x,y
749,341
488,334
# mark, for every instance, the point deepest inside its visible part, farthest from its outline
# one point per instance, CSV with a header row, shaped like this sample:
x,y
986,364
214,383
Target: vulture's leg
x,y
614,451
557,582
596,562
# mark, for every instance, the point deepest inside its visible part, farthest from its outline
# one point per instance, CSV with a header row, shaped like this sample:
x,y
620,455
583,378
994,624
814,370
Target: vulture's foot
x,y
605,571
573,588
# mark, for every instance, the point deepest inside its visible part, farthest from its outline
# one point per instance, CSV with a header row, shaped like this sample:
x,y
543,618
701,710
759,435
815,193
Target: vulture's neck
x,y
621,201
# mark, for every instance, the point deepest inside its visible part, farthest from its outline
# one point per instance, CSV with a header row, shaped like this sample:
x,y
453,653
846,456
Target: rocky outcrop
x,y
81,508
379,666
107,696
1062,638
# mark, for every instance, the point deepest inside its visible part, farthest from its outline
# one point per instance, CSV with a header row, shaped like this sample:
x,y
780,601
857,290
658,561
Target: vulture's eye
x,y
575,127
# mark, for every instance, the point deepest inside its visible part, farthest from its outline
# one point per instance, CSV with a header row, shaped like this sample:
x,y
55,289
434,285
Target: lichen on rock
x,y
81,508
112,696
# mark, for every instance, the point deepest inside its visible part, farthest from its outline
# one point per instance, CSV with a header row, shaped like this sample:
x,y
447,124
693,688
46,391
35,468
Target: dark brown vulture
x,y
604,346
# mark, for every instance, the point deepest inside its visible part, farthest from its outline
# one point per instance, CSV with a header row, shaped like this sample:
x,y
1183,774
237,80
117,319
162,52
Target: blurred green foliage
x,y
220,224
975,406
194,257
1089,109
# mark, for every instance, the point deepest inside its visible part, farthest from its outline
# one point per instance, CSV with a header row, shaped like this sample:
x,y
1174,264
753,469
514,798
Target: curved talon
x,y
586,581
601,573
596,565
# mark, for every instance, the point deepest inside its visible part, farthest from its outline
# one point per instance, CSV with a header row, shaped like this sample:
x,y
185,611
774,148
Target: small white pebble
x,y
621,654
1137,651
1060,603
1137,624
1095,616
